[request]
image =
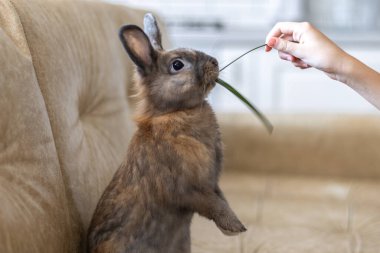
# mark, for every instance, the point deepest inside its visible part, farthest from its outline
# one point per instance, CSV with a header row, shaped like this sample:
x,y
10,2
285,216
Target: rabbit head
x,y
167,80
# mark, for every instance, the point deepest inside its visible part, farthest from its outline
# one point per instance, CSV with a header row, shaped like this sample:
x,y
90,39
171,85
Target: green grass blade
x,y
253,49
261,116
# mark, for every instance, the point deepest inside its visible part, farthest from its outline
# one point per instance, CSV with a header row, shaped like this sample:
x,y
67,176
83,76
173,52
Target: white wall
x,y
273,85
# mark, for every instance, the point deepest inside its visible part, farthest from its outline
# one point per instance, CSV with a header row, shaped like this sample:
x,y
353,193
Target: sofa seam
x,y
49,118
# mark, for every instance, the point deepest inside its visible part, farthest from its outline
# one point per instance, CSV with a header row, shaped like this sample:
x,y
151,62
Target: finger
x,y
301,65
299,61
284,37
286,56
285,46
296,62
287,28
287,37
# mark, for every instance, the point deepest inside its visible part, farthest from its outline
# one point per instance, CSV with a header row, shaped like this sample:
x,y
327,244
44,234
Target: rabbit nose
x,y
214,62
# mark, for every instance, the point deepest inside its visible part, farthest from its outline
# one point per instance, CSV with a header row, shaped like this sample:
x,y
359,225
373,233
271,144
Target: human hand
x,y
305,46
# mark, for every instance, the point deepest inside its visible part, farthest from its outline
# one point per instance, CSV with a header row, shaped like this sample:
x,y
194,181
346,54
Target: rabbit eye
x,y
177,65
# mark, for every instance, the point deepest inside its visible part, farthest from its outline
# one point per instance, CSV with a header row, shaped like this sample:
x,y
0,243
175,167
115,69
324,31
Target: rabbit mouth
x,y
207,89
211,77
211,73
210,85
210,80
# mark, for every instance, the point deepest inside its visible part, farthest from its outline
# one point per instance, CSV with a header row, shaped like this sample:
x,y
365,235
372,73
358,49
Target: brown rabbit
x,y
174,159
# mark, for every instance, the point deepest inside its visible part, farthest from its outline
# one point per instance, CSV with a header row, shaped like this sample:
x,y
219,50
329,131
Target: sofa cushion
x,y
83,73
34,212
65,78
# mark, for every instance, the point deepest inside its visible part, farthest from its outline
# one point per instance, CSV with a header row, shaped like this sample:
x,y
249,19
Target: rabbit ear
x,y
152,30
138,47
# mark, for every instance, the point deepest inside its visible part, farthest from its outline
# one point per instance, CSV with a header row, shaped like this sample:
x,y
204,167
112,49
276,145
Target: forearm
x,y
363,80
305,46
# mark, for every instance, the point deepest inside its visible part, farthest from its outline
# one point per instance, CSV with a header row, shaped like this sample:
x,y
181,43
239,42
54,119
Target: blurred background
x,y
226,29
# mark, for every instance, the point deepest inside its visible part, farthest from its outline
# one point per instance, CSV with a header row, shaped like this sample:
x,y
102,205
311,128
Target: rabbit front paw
x,y
230,225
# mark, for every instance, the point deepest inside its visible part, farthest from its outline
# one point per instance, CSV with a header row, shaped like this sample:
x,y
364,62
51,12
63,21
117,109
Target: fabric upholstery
x,y
64,118
65,123
83,85
321,145
34,206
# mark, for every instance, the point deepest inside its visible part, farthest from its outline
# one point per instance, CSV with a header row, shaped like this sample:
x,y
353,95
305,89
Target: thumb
x,y
284,46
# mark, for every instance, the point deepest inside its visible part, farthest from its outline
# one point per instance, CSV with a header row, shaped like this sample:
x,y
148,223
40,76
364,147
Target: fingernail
x,y
272,41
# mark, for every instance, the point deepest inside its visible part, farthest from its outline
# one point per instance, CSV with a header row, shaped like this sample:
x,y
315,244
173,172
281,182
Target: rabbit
x,y
174,159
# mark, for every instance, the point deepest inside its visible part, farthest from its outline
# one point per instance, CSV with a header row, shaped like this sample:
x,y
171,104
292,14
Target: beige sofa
x,y
313,186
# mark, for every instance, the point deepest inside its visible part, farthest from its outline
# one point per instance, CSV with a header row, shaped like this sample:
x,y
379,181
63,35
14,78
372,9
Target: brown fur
x,y
172,165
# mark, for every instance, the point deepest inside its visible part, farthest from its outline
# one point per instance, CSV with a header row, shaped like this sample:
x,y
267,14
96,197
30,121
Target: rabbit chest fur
x,y
172,161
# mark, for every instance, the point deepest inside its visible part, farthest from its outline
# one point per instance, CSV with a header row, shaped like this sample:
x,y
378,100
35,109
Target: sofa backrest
x,y
338,146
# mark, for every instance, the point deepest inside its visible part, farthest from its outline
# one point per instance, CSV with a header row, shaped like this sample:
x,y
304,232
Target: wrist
x,y
358,75
347,68
363,79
